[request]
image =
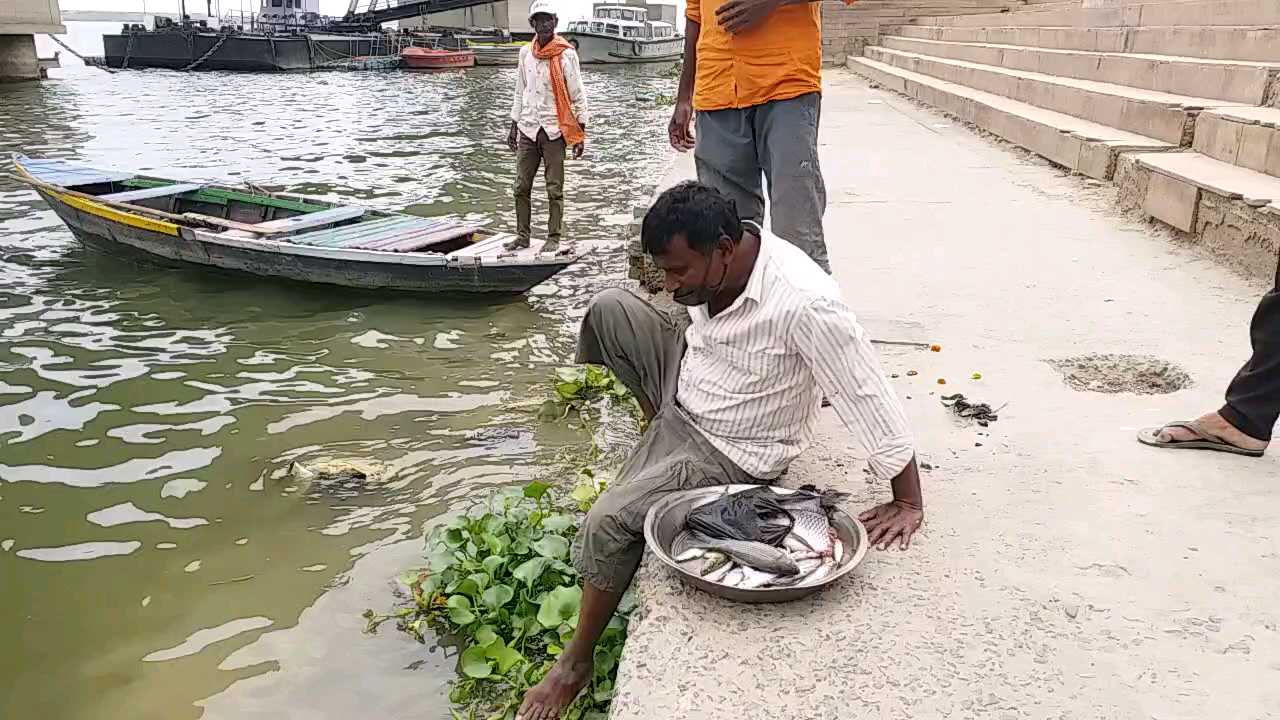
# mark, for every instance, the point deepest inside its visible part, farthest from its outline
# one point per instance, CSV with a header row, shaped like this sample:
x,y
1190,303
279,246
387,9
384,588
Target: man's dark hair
x,y
697,211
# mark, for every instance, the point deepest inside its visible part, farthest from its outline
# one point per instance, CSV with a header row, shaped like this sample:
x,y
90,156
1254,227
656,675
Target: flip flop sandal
x,y
1207,441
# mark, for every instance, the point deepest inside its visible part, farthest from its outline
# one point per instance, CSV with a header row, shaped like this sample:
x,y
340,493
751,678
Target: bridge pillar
x,y
18,61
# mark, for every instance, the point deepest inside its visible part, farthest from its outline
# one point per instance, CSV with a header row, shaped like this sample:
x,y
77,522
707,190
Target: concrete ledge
x,y
1163,116
1259,44
1230,211
1074,143
1189,13
1223,80
1248,137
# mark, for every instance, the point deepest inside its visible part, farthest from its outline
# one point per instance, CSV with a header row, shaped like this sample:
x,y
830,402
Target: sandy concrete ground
x,y
1064,571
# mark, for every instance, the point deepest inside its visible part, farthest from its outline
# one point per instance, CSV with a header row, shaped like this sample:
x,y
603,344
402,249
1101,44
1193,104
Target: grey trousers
x,y
1253,397
778,139
635,341
530,154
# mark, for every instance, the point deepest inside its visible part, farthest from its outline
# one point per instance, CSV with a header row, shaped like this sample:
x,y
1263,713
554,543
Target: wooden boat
x,y
497,53
417,58
283,235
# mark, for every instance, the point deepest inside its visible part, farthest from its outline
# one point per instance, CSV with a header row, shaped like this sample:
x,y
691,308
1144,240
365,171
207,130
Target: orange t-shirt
x,y
777,60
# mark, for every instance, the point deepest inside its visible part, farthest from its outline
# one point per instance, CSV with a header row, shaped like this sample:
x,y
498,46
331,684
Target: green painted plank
x,y
218,196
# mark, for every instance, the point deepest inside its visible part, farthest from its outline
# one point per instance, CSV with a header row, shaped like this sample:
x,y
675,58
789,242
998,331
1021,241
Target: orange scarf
x,y
569,127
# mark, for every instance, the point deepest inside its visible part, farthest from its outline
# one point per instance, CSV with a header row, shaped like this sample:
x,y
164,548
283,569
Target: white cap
x,y
541,6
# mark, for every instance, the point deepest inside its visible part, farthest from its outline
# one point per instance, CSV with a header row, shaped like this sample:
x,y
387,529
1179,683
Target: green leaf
x,y
474,663
530,571
462,602
554,650
457,522
492,524
455,537
485,635
481,580
559,606
497,544
498,595
535,490
558,523
468,587
583,493
505,656
570,374
492,563
551,546
461,616
568,390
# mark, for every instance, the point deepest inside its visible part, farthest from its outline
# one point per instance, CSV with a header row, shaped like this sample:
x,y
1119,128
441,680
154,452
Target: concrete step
x,y
1255,44
1222,80
1189,13
1163,116
1074,143
1232,210
1248,137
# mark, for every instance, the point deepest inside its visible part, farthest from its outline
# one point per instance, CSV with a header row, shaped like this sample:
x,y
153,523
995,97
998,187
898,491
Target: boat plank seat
x,y
67,174
149,193
279,227
308,220
395,234
489,246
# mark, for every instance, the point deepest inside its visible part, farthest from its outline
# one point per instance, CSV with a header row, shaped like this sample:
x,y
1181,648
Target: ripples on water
x,y
149,527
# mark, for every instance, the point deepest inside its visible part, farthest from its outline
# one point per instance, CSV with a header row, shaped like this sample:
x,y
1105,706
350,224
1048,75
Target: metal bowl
x,y
666,519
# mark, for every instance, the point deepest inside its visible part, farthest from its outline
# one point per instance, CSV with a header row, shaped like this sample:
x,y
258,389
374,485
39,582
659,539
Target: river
x,y
158,561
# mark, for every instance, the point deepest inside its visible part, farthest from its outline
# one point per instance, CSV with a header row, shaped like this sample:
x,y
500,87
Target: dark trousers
x,y
779,142
530,154
1253,398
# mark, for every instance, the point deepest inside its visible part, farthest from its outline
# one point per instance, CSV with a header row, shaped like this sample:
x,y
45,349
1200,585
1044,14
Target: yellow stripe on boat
x,y
109,213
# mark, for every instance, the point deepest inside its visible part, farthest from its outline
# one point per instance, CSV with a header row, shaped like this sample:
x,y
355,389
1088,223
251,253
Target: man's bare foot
x,y
1220,428
547,699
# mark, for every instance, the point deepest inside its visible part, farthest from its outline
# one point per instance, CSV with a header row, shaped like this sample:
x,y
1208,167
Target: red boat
x,y
433,59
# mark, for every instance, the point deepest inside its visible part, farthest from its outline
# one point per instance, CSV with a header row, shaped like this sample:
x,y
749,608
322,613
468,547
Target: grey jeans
x,y
635,341
778,140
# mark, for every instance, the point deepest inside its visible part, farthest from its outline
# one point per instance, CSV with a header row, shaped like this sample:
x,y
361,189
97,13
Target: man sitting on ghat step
x,y
733,399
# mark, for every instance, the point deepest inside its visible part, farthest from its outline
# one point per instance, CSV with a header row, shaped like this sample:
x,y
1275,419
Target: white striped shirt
x,y
753,376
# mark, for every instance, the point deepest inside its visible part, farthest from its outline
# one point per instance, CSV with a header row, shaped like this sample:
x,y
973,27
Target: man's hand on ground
x,y
678,128
892,520
737,16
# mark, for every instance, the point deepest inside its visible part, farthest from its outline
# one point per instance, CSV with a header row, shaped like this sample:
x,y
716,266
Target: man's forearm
x,y
689,71
906,485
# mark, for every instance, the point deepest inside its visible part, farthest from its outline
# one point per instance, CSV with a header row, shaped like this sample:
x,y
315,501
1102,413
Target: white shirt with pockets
x,y
534,106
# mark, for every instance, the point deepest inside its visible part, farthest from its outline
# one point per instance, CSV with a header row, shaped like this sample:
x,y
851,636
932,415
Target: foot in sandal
x,y
1208,432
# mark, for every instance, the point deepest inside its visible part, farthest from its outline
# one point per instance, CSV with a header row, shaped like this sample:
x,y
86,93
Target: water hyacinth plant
x,y
499,583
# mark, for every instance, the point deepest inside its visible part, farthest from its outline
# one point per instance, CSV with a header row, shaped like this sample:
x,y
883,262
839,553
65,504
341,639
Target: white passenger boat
x,y
624,34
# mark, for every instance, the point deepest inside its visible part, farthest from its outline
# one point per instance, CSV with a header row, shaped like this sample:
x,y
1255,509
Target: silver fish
x,y
732,578
805,554
818,575
806,567
717,576
681,546
757,555
813,529
689,554
712,561
838,553
754,578
793,544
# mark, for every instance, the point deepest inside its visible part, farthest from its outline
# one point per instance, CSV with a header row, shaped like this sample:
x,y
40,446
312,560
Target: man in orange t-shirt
x,y
753,74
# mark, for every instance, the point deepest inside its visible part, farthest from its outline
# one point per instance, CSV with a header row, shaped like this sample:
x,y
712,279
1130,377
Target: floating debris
x,y
912,373
935,348
976,376
961,406
942,381
192,566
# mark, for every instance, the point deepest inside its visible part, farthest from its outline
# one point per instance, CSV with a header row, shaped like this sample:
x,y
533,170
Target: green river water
x,y
158,561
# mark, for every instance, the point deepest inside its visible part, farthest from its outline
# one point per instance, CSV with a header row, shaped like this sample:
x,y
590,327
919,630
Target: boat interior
x,y
249,213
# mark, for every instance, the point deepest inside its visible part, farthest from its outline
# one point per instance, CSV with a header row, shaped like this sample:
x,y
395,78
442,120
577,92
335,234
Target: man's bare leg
x,y
573,669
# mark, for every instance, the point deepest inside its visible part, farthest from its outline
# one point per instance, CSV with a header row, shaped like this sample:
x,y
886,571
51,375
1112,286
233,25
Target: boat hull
x,y
170,244
609,50
437,60
496,55
258,53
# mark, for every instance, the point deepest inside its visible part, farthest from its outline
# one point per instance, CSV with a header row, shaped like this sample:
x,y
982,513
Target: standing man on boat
x,y
753,74
549,113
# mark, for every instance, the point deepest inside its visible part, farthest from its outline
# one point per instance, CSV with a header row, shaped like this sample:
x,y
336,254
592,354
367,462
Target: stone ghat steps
x,y
1231,81
1224,42
1248,137
1166,117
1080,145
1190,13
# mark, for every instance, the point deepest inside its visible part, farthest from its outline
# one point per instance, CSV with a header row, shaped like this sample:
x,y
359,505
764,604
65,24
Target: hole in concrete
x,y
1140,374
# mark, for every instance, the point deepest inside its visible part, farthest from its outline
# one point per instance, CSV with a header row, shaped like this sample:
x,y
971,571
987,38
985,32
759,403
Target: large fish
x,y
758,556
814,530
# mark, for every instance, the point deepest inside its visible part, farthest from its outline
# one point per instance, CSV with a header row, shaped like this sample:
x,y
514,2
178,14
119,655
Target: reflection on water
x,y
149,527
